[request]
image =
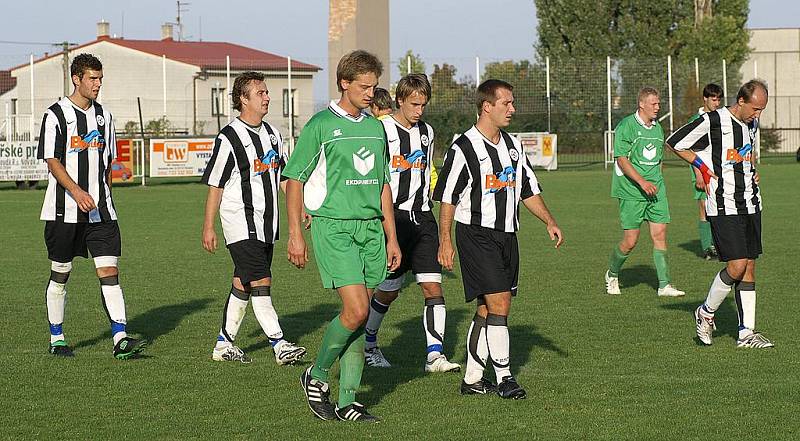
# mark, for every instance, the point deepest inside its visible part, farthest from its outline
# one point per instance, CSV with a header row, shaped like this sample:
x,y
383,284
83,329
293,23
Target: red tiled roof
x,y
7,82
205,54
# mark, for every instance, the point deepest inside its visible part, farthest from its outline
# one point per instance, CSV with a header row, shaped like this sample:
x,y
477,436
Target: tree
x,y
417,65
451,109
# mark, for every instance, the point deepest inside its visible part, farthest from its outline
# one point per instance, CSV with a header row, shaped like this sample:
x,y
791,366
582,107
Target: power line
x,y
25,42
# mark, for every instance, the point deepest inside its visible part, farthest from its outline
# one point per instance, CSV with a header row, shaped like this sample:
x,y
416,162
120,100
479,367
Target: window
x,y
218,103
286,103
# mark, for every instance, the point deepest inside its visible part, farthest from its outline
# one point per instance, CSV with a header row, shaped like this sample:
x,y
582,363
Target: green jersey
x,y
644,148
342,162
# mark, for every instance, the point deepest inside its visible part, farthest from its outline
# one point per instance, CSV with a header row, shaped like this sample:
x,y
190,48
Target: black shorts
x,y
418,237
737,236
489,260
66,241
252,259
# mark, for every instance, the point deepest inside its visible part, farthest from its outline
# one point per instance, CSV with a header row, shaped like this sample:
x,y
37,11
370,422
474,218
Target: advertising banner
x,y
179,157
18,162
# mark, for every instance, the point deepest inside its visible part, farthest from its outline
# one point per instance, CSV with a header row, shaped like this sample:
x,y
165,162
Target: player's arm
x,y
212,207
446,251
535,204
297,251
393,254
82,198
628,170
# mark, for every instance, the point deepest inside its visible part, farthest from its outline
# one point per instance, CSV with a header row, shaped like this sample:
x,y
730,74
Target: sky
x,y
451,31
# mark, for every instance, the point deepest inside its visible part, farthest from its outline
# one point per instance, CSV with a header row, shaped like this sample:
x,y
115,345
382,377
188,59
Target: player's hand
x,y
306,220
393,255
649,188
210,240
555,234
700,185
446,255
297,251
84,200
756,178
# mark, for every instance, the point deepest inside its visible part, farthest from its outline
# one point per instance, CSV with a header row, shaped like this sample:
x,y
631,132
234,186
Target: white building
x,y
188,82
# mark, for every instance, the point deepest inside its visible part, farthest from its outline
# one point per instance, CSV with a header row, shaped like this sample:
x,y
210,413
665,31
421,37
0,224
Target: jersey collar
x,y
337,109
641,122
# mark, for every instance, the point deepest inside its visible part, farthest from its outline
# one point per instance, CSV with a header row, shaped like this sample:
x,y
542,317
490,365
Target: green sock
x,y
705,234
351,365
333,343
616,261
660,259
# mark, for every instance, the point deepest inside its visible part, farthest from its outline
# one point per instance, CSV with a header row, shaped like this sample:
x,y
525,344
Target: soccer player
x,y
381,105
77,142
712,99
720,145
243,176
339,170
484,178
410,143
638,185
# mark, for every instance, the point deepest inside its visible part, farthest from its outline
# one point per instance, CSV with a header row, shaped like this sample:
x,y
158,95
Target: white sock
x,y
232,316
265,314
56,304
719,289
114,303
433,319
746,306
477,350
376,312
498,341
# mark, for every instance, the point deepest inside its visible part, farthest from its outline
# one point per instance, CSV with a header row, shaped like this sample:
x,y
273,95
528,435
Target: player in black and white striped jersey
x,y
484,178
243,176
721,144
410,149
77,141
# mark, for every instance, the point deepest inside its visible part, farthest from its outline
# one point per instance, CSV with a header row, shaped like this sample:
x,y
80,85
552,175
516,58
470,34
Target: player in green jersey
x,y
712,100
639,186
340,171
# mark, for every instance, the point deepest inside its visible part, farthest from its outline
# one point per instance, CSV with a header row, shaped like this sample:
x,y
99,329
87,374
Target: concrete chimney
x,y
103,29
166,31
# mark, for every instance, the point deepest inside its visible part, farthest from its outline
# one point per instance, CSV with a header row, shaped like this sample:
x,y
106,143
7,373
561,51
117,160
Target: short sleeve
x,y
453,178
687,136
623,144
220,166
530,184
50,143
305,156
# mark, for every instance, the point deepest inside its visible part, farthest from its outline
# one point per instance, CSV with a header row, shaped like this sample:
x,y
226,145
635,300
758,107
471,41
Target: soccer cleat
x,y
375,358
355,412
61,349
705,325
755,340
441,364
670,291
710,253
612,284
230,353
480,387
510,389
317,396
128,347
288,353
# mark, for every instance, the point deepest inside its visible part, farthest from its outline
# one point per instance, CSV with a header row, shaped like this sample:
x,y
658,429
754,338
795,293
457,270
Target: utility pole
x,y
179,5
65,65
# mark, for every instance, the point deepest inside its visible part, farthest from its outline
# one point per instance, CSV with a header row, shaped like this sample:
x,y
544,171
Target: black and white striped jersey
x,y
411,156
486,181
246,163
727,146
84,142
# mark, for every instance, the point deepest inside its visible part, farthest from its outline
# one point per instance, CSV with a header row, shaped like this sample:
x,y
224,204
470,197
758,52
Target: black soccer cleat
x,y
317,396
356,412
510,389
61,349
128,347
480,387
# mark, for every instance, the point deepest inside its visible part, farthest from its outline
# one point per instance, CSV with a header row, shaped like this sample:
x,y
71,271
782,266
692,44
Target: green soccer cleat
x,y
128,347
61,349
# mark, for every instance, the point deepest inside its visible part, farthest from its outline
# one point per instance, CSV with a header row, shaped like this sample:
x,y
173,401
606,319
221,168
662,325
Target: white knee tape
x,y
61,267
429,277
102,261
392,284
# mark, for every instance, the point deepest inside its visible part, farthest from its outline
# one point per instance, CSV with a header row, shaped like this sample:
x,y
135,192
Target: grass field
x,y
594,366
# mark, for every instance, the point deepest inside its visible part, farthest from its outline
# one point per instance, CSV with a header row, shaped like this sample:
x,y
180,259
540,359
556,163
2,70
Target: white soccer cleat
x,y
705,325
670,291
288,353
230,353
374,358
754,340
612,284
441,364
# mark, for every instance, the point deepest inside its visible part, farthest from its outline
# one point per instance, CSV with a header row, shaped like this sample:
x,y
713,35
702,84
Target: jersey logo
x,y
415,160
363,161
100,120
424,140
649,151
93,140
734,156
337,132
273,139
501,180
514,154
270,161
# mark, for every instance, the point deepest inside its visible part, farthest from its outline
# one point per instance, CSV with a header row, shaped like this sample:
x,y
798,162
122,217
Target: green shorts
x,y
633,212
349,251
697,194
